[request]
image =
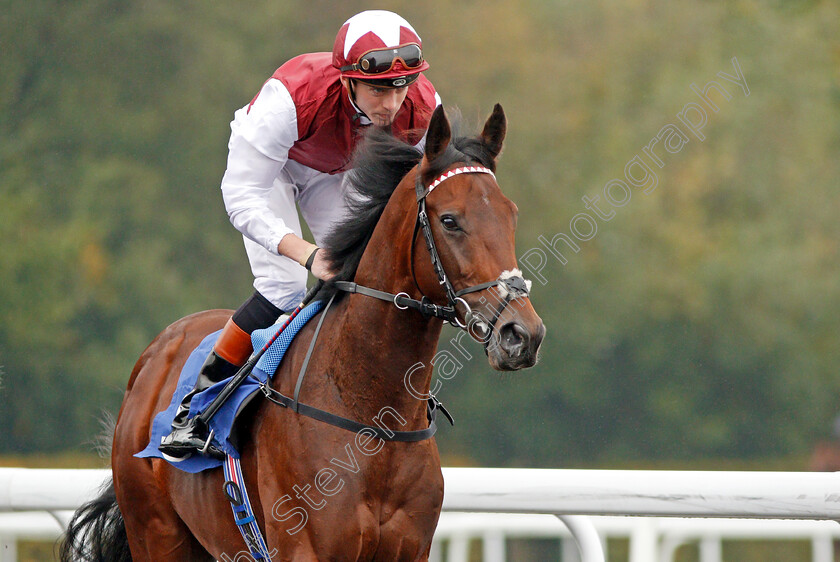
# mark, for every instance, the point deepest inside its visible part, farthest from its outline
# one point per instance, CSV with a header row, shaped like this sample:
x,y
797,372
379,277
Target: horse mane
x,y
378,166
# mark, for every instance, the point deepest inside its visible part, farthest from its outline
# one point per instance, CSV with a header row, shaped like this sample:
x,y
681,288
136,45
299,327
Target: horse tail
x,y
96,532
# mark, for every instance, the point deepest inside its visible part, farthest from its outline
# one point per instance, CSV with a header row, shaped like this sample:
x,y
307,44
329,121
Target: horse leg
x,y
155,531
165,539
411,514
143,490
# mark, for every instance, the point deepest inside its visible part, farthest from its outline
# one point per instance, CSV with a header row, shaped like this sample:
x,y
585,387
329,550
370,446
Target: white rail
x,y
48,489
767,495
567,494
651,539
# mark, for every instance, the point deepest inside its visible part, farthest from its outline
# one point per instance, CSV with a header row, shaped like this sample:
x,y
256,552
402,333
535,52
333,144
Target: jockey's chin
x,y
382,119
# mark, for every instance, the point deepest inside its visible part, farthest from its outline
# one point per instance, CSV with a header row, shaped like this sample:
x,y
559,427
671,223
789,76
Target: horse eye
x,y
449,222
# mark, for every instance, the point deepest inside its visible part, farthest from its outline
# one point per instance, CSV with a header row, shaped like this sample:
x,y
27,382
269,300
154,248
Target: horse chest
x,y
365,507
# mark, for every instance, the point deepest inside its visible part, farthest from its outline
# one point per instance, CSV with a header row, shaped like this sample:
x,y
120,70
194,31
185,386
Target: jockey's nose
x,y
391,100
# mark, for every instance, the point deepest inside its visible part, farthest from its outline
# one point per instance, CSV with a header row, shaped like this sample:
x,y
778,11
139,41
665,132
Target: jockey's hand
x,y
321,267
298,249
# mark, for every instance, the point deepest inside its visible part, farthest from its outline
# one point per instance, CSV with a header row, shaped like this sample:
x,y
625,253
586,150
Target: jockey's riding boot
x,y
190,434
215,369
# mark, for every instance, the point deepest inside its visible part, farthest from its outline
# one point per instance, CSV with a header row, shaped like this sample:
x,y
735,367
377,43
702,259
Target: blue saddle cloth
x,y
222,422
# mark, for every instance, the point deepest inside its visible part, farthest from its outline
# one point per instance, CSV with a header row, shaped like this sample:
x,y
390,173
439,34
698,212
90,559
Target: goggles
x,y
380,61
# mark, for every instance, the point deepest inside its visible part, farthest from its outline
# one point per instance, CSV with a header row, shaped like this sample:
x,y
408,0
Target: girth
x,y
351,425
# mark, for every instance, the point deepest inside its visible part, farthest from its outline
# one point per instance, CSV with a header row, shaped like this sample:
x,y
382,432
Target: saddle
x,y
224,420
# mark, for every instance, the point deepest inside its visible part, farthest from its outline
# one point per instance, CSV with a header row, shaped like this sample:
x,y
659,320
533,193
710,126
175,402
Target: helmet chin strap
x,y
359,113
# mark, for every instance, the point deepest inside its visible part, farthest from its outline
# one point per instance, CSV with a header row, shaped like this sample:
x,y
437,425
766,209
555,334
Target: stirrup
x,y
207,450
204,450
188,442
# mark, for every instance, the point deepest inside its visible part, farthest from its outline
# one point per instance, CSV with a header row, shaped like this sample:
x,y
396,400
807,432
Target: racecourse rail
x,y
571,495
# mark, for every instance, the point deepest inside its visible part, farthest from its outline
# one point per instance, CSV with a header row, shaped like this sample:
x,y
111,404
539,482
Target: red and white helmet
x,y
380,47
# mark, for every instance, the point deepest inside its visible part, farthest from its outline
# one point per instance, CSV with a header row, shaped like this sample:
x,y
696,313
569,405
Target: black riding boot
x,y
189,434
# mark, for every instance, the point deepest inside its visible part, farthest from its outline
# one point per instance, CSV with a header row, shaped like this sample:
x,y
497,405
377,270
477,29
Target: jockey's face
x,y
379,104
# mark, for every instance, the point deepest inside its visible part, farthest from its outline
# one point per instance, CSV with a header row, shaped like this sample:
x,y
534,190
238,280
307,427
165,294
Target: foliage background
x,y
701,322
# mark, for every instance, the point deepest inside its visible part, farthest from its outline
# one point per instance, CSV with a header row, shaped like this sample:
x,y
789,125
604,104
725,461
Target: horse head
x,y
469,257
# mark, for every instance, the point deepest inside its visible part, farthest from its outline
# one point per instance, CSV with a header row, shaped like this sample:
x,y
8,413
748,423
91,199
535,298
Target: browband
x,y
455,172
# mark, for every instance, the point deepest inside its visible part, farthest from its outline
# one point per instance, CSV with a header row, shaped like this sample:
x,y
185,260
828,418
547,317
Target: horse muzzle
x,y
515,346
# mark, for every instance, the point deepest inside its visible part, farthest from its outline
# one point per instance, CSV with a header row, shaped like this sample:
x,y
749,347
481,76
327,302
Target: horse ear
x,y
493,134
438,135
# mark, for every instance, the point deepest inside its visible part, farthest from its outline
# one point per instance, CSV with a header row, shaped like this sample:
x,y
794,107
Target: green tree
x,y
701,320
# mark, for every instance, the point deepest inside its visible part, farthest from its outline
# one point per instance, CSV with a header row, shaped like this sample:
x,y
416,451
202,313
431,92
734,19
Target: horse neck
x,y
385,343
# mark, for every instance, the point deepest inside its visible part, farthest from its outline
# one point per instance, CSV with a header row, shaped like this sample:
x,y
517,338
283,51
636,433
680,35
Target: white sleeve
x,y
258,149
421,144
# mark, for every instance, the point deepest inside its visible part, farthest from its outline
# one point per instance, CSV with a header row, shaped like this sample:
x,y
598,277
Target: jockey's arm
x,y
261,137
245,187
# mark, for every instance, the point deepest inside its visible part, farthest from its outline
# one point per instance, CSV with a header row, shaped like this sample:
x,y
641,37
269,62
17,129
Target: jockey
x,y
291,145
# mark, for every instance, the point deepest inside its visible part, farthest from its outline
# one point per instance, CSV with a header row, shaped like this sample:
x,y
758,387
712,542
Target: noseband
x,y
512,284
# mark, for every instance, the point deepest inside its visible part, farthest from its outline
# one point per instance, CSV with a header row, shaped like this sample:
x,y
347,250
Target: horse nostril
x,y
513,338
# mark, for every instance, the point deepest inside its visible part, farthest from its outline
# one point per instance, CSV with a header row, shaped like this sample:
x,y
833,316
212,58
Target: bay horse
x,y
318,491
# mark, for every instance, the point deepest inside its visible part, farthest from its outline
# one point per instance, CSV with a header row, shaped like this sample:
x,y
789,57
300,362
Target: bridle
x,y
512,284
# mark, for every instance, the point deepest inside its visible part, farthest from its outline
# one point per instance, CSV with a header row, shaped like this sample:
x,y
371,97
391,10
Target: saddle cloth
x,y
222,422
